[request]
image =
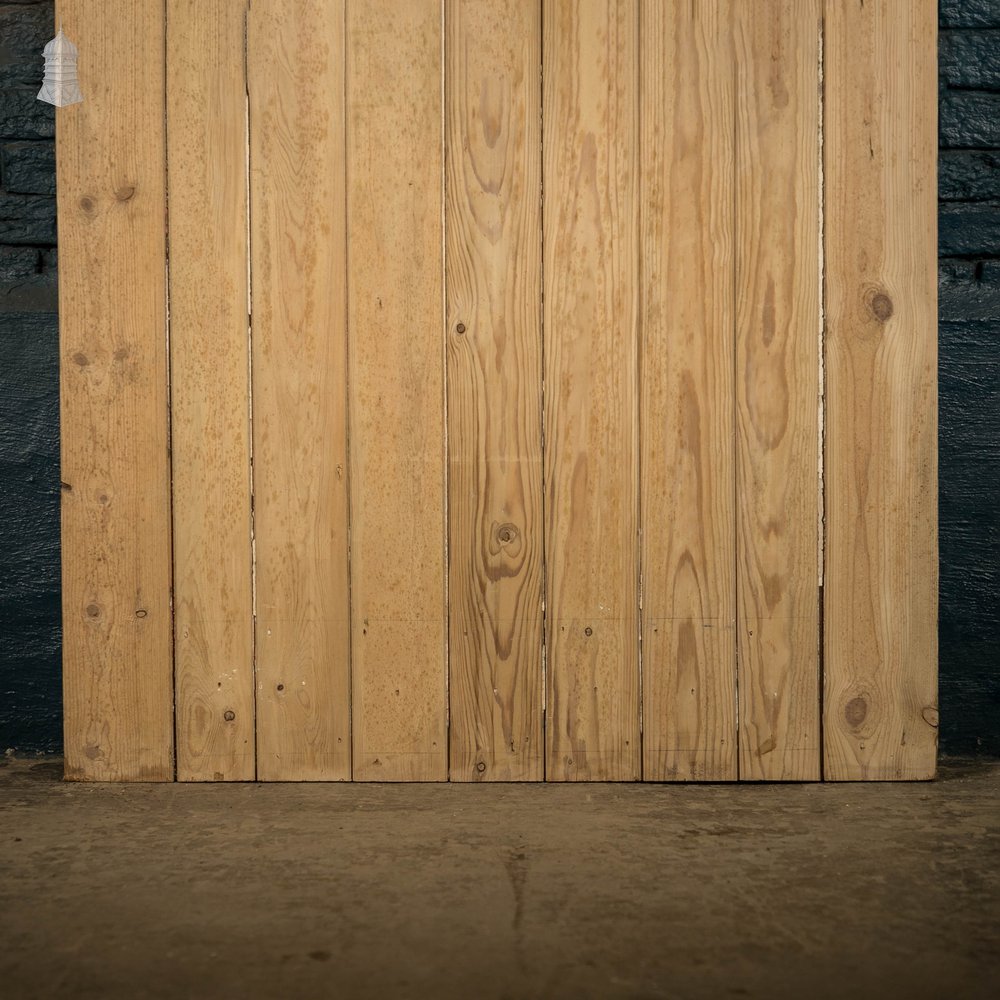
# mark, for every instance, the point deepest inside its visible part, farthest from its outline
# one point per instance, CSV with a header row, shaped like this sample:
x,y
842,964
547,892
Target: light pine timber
x,y
688,456
493,219
210,390
396,322
295,66
880,593
777,387
591,295
117,659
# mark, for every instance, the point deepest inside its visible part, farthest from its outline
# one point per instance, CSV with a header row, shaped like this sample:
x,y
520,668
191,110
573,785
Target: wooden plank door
x,y
116,572
687,365
295,70
210,391
591,282
880,587
493,250
776,386
551,390
395,277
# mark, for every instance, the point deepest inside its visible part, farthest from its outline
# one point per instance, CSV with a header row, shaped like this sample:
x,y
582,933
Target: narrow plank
x,y
880,593
295,66
395,317
493,280
210,390
688,450
117,657
591,289
777,387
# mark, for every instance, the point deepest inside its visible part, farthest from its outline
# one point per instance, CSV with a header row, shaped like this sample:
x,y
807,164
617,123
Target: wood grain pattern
x,y
395,309
210,390
117,658
777,387
591,290
688,450
880,593
493,280
295,63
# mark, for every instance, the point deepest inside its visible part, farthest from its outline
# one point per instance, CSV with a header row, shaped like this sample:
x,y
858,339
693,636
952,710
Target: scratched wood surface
x,y
295,66
396,319
777,387
493,225
591,284
688,463
116,575
880,593
210,390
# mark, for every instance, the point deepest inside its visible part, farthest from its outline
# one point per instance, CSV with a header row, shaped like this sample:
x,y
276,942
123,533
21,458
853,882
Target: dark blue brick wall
x,y
30,688
969,382
969,374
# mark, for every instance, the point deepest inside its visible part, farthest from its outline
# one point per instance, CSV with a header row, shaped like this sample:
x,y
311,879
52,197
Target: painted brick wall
x,y
30,689
969,374
969,382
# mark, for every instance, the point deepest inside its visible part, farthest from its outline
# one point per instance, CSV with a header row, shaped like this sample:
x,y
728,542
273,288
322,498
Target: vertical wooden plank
x,y
210,390
590,51
688,460
395,317
880,714
777,387
493,218
117,659
295,66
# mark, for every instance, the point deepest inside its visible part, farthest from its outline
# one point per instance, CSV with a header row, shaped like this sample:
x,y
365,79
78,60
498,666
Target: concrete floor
x,y
465,891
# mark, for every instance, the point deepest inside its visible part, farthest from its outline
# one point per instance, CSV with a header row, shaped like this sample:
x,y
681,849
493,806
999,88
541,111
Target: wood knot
x,y
229,715
507,533
481,766
855,712
81,359
125,192
460,328
930,716
588,631
881,306
93,611
141,613
87,204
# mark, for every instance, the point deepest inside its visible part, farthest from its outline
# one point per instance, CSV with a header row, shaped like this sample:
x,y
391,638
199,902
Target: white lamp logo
x,y
59,85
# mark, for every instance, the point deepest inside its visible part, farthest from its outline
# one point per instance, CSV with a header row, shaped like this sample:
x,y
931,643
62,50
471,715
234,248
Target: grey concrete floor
x,y
804,891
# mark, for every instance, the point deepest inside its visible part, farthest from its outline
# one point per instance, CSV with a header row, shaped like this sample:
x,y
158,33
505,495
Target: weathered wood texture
x,y
295,68
117,664
210,390
517,468
493,226
880,592
591,278
396,321
778,329
688,460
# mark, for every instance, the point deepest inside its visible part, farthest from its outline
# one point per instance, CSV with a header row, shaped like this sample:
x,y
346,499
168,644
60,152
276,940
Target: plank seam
x,y
169,414
542,369
821,396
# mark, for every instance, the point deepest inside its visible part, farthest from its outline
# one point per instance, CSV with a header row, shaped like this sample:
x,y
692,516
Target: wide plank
x,y
687,365
493,280
116,573
396,322
591,294
777,387
880,587
210,390
295,68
